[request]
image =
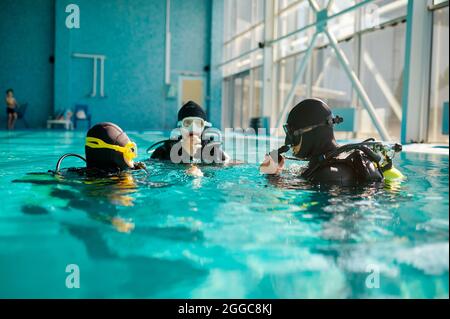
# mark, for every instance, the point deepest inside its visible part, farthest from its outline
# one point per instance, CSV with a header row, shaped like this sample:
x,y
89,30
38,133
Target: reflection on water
x,y
99,197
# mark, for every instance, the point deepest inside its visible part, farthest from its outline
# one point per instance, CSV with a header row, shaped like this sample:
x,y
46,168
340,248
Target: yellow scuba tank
x,y
390,173
393,174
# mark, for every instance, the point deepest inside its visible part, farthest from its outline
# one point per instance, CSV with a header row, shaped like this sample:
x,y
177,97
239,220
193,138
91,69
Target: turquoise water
x,y
230,234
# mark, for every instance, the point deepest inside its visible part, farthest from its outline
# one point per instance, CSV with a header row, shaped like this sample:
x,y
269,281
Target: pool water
x,y
231,234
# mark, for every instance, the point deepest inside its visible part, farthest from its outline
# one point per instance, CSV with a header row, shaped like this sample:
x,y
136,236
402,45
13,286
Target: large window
x,y
439,76
243,98
381,72
379,67
372,37
243,32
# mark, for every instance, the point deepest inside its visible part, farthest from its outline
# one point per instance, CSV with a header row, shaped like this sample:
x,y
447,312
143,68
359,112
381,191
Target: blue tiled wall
x,y
130,33
26,44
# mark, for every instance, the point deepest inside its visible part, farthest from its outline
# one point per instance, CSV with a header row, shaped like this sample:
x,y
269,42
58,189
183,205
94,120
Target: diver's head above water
x,y
192,123
109,148
309,129
192,119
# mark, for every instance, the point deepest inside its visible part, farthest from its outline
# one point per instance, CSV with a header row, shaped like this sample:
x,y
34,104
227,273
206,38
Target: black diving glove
x,y
139,166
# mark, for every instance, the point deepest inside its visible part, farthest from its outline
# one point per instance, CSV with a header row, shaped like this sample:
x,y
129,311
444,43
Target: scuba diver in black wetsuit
x,y
310,134
108,150
100,187
194,143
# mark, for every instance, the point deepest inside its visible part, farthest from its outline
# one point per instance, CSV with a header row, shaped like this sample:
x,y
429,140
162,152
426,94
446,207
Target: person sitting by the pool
x,y
310,134
11,108
108,151
193,145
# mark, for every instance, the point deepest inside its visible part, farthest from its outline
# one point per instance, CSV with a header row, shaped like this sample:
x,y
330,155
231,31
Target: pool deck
x,y
425,148
438,149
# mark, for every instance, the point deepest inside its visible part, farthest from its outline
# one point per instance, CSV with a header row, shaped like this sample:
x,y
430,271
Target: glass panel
x,y
438,2
258,11
286,70
238,101
282,4
439,76
342,27
230,20
382,76
244,15
382,11
294,18
329,81
244,91
341,5
227,112
242,35
245,106
379,67
238,89
257,92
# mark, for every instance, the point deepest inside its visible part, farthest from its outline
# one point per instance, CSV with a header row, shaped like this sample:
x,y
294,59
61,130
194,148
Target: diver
x,y
195,141
108,151
310,135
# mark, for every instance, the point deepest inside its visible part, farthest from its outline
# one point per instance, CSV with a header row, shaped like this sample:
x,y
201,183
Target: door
x,y
191,89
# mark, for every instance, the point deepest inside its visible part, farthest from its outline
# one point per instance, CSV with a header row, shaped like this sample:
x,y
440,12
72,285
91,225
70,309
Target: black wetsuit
x,y
354,169
94,171
210,153
310,126
99,173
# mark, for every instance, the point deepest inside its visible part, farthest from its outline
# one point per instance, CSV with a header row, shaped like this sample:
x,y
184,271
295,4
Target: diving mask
x,y
293,137
129,151
194,124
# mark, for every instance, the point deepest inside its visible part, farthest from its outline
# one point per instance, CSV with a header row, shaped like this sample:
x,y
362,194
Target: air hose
x,y
62,158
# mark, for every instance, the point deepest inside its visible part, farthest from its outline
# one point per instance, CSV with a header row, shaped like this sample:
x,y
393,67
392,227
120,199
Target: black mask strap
x,y
292,136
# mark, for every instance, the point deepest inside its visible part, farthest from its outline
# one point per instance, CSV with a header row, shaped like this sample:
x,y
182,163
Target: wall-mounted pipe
x,y
95,58
168,44
94,78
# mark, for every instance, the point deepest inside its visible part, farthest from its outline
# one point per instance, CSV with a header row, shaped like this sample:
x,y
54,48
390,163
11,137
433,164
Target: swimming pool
x,y
231,234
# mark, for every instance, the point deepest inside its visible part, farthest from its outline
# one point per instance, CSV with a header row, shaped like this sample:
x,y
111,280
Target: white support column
x,y
357,49
417,71
310,71
314,5
268,65
330,4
